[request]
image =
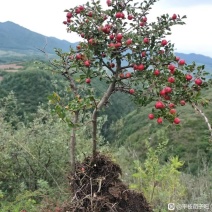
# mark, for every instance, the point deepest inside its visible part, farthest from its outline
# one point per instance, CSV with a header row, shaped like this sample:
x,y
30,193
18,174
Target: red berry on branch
x,y
174,16
160,120
181,62
164,42
151,116
88,80
172,111
156,72
198,81
69,15
171,79
159,105
188,77
182,102
146,40
131,91
176,120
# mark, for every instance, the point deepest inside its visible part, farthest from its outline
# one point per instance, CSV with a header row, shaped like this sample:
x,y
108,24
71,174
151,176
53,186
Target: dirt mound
x,y
99,189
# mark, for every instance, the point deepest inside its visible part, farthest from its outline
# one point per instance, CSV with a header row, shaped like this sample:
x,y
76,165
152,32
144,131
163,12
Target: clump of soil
x,y
99,189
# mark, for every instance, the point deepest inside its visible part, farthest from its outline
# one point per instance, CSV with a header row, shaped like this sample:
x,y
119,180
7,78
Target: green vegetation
x,y
34,161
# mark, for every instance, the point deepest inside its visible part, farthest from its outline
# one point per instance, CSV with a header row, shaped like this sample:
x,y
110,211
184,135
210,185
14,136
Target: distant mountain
x,y
15,38
17,42
198,58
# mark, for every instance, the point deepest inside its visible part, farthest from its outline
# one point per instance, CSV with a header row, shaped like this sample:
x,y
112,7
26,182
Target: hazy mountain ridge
x,y
21,42
14,37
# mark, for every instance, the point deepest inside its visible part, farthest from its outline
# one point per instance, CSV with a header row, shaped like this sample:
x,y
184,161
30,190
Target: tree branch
x,y
204,116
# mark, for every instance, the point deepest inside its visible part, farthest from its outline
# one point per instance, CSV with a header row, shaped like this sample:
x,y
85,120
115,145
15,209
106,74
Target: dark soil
x,y
99,189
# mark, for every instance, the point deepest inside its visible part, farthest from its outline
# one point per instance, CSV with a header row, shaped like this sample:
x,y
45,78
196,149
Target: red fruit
x,y
171,105
177,58
122,15
109,3
182,102
181,62
198,81
112,37
188,77
159,105
82,35
144,19
164,42
103,55
121,75
166,97
78,56
112,65
163,92
118,45
171,68
130,17
88,80
171,79
111,45
68,20
156,72
172,111
176,120
69,15
77,11
81,8
128,75
105,17
160,120
151,116
106,29
90,14
174,16
140,67
87,63
142,24
91,41
143,54
128,42
65,22
146,40
118,15
119,36
135,67
78,47
168,89
131,91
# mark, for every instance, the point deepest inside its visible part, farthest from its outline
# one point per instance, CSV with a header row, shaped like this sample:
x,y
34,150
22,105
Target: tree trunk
x,y
102,102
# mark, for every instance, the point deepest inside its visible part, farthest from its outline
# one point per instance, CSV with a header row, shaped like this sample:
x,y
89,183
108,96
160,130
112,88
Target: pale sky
x,y
46,17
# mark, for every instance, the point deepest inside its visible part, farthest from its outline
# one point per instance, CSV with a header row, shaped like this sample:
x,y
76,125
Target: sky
x,y
46,17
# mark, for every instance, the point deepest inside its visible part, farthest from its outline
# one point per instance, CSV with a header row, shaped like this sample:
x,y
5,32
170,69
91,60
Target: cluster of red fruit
x,y
172,111
84,60
167,90
116,40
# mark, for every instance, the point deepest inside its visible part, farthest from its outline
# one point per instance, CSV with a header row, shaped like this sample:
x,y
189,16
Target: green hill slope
x,y
191,141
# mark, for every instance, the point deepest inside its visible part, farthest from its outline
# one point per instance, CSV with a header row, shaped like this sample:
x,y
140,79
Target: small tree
x,y
123,49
